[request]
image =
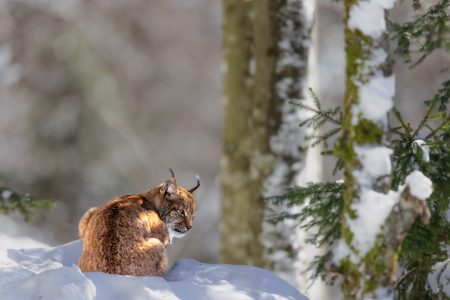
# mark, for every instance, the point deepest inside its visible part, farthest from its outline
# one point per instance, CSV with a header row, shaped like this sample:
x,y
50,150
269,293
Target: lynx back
x,y
128,234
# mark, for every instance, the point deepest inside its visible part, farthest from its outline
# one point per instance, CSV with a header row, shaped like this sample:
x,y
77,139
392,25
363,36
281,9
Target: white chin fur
x,y
173,233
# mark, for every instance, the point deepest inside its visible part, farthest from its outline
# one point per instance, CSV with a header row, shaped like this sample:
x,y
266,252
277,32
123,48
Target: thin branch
x,y
317,112
399,117
439,128
404,278
425,118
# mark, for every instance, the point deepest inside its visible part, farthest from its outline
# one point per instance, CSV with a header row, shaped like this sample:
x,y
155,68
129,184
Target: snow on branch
x,y
390,215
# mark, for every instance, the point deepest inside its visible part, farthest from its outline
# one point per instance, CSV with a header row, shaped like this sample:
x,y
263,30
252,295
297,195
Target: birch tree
x,y
266,45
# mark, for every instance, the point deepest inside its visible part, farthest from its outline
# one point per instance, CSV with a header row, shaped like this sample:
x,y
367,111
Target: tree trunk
x,y
241,206
265,150
375,219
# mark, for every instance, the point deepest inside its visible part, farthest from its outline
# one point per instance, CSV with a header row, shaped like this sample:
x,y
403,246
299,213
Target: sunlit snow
x,y
425,150
372,210
368,16
52,273
420,186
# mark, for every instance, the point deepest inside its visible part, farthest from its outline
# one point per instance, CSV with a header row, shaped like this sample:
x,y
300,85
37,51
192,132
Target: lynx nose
x,y
188,227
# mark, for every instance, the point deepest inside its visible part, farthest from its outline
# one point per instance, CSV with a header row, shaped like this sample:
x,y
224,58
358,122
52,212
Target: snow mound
x,y
52,273
8,242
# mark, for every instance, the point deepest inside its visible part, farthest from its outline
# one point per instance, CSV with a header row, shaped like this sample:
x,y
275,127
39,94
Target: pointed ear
x,y
169,187
194,189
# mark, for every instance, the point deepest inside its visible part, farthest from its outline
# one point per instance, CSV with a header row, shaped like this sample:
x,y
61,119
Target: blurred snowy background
x,y
99,98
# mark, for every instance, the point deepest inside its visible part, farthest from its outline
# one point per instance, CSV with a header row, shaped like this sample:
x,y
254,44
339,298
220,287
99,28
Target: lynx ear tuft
x,y
171,172
170,187
194,189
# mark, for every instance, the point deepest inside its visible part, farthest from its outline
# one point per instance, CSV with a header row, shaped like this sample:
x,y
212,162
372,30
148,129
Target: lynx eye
x,y
181,212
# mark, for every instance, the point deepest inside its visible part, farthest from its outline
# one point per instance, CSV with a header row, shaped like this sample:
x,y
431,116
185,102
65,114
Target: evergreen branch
x,y
444,123
395,129
339,166
27,205
322,203
327,153
324,114
418,62
444,97
416,4
404,278
400,119
323,138
315,98
424,34
431,105
401,134
436,116
428,127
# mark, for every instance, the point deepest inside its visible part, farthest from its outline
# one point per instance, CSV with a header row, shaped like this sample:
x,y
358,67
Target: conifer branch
x,y
400,119
431,105
404,278
424,34
26,205
447,120
315,98
319,113
419,250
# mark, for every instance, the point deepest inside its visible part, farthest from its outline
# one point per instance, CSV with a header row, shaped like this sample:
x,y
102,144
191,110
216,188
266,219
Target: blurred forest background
x,y
99,98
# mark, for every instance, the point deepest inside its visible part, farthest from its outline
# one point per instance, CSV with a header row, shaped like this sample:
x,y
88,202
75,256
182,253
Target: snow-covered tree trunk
x,y
281,31
375,219
265,150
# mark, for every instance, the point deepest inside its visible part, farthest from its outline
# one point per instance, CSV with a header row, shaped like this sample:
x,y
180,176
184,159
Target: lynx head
x,y
178,206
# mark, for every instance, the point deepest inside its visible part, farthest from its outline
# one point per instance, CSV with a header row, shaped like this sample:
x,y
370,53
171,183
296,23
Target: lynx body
x,y
128,234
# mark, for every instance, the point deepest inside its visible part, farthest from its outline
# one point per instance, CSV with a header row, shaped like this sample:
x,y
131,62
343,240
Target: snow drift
x,y
52,273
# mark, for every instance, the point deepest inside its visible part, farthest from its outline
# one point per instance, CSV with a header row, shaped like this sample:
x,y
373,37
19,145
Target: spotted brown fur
x,y
128,234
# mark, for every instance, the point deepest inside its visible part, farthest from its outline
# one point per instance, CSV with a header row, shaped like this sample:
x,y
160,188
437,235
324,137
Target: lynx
x,y
128,234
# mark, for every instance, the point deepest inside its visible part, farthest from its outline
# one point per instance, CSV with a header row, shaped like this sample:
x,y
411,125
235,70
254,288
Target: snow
x,y
285,252
375,90
275,183
372,212
375,162
282,87
6,194
383,293
341,251
373,207
8,242
52,273
420,186
441,269
368,16
425,149
63,283
375,97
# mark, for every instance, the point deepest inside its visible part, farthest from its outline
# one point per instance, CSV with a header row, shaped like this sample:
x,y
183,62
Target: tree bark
x,y
375,220
241,208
